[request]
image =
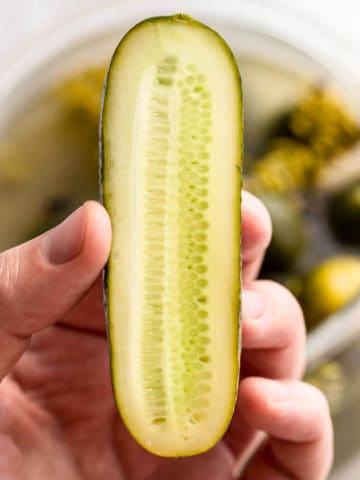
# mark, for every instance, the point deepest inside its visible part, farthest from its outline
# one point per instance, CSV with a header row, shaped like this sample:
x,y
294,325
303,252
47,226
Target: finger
x,y
296,417
256,235
89,312
41,280
273,333
273,339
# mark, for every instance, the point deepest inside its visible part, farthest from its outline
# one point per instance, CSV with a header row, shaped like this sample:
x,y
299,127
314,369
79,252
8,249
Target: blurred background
x,y
300,66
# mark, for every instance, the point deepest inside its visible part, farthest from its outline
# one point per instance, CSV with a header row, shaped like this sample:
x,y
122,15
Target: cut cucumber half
x,y
171,152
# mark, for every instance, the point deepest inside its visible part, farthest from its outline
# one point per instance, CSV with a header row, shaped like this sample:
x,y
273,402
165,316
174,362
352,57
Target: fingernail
x,y
254,303
64,242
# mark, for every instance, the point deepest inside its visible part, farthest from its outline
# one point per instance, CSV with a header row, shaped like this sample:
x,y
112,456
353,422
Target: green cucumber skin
x,y
103,193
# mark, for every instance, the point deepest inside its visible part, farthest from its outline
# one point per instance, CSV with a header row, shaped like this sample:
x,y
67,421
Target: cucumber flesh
x,y
171,148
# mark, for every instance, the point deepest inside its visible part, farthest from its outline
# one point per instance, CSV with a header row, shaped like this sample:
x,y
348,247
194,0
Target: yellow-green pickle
x,y
171,148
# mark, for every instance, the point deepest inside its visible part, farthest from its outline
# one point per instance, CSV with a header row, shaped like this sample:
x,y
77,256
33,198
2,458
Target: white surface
x,y
325,31
18,18
22,22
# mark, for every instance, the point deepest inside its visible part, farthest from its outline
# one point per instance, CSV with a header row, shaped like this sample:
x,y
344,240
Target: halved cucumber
x,y
171,148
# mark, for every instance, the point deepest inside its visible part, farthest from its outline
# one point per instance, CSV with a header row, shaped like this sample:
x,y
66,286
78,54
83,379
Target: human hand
x,y
57,414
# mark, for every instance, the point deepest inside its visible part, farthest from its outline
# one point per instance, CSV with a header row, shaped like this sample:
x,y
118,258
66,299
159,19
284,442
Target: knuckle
x,y
319,417
320,402
291,309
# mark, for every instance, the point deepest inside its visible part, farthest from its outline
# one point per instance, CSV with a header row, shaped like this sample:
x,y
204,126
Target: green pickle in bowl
x,y
330,286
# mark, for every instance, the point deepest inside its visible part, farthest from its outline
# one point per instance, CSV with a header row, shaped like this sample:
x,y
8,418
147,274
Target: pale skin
x,y
57,414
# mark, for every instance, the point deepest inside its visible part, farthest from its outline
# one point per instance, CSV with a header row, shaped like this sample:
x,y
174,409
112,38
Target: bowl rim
x,y
287,23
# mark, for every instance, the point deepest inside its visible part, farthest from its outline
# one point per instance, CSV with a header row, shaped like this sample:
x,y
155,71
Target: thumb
x,y
41,280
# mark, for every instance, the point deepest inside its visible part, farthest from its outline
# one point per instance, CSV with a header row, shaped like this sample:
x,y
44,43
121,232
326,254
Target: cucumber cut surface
x,y
171,148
